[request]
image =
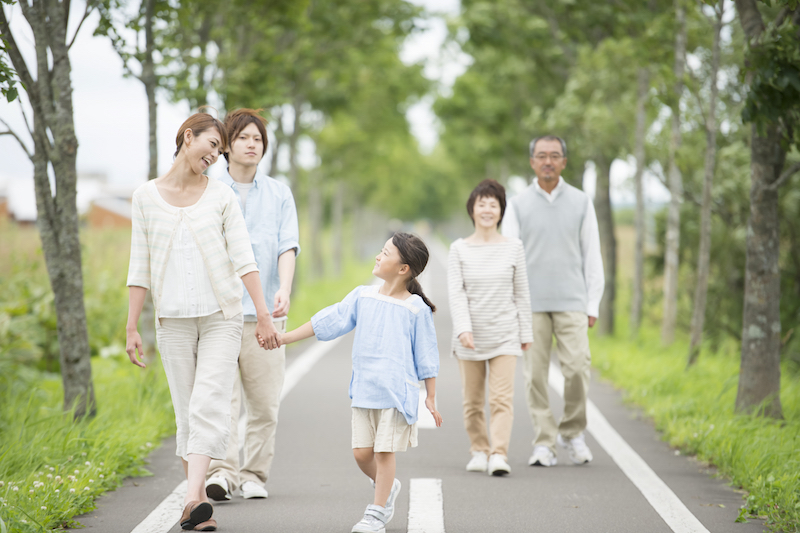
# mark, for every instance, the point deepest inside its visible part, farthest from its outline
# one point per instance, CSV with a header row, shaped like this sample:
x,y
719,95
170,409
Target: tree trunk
x,y
760,373
50,95
704,254
338,220
638,274
608,245
315,224
675,188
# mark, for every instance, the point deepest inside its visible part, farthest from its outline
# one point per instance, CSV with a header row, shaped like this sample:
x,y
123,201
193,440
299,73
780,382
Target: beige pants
x,y
570,330
199,358
501,402
260,379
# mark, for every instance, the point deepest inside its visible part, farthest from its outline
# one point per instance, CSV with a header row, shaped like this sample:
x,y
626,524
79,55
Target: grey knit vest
x,y
551,235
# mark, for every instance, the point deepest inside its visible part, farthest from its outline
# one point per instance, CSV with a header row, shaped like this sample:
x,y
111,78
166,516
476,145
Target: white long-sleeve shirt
x,y
589,243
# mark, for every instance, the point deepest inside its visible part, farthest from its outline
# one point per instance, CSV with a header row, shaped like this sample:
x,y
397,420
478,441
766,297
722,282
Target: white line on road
x,y
169,511
166,514
425,506
671,509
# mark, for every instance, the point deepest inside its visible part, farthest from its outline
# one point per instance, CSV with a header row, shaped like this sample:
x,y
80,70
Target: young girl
x,y
394,348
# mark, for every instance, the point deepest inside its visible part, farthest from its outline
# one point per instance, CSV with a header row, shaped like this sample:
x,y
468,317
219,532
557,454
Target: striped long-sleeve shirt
x,y
216,223
489,296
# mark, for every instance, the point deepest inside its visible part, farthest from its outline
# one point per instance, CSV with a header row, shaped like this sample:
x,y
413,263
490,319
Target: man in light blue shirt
x,y
271,217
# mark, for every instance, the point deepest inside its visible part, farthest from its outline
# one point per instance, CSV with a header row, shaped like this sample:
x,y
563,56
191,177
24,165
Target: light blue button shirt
x,y
271,219
394,347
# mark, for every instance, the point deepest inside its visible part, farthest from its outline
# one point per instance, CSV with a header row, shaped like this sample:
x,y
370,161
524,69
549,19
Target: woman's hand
x,y
133,345
466,340
526,346
266,334
431,405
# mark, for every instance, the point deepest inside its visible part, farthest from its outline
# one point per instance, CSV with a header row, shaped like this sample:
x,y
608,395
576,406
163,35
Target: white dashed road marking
x,y
425,506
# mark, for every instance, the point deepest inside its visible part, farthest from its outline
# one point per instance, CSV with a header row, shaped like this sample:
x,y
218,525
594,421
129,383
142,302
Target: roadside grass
x,y
694,408
51,467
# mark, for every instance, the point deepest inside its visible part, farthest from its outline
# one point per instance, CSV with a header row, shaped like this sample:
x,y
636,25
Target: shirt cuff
x,y
288,246
246,269
593,309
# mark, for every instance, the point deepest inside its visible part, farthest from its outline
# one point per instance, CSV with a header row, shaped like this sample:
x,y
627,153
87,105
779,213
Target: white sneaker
x,y
391,499
374,521
542,456
498,465
217,489
579,453
251,489
478,463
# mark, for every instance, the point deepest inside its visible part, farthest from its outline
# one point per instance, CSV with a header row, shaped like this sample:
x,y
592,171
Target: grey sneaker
x,y
374,521
392,497
579,452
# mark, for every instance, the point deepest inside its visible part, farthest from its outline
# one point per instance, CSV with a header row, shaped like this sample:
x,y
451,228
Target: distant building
x,y
109,213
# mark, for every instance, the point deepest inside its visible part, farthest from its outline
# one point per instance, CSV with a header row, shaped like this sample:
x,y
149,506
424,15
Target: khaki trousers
x,y
572,343
259,384
501,402
199,358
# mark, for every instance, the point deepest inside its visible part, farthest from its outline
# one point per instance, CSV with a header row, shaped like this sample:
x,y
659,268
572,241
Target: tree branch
x,y
788,173
13,51
17,137
86,13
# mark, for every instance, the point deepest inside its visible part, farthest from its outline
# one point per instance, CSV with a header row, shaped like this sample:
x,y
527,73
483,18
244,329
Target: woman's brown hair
x,y
238,120
488,188
198,123
413,253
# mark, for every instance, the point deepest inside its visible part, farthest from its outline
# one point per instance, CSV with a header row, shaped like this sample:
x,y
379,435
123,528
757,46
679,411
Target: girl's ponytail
x,y
414,287
413,253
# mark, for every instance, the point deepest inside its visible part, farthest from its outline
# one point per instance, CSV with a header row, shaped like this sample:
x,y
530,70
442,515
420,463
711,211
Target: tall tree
x,y
637,298
704,254
773,105
675,182
55,146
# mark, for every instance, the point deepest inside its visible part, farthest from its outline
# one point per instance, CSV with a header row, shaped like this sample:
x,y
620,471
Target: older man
x,y
558,227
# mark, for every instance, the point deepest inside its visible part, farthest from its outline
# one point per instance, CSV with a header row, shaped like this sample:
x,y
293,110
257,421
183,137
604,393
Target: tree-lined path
x,y
315,485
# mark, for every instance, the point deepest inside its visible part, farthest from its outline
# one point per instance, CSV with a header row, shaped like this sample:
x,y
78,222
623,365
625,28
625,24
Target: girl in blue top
x,y
394,348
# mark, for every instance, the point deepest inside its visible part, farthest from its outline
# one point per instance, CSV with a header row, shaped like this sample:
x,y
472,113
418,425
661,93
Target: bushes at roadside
x,y
695,411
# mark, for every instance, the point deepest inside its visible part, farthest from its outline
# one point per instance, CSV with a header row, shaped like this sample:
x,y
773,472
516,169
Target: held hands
x,y
266,334
133,345
431,405
466,340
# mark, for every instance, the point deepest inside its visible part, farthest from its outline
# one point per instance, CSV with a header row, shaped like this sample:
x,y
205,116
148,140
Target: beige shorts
x,y
383,430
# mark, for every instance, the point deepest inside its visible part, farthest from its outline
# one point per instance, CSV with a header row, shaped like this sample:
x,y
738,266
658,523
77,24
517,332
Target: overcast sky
x,y
111,111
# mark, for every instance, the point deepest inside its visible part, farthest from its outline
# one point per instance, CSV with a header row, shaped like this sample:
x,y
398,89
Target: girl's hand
x,y
466,340
266,334
525,346
431,405
133,345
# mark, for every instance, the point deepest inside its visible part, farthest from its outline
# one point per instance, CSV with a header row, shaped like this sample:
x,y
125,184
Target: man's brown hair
x,y
238,120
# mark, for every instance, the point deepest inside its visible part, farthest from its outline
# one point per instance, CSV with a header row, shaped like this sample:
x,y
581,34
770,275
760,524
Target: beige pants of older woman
x,y
501,402
199,357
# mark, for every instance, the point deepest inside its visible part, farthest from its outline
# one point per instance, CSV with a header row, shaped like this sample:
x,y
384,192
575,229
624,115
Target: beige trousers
x,y
199,359
572,342
501,402
259,383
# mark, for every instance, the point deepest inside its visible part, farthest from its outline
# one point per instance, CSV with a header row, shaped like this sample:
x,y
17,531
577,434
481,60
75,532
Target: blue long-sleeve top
x,y
394,348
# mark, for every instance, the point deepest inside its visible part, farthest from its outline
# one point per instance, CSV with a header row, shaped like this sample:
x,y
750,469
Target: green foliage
x,y
53,467
694,411
8,76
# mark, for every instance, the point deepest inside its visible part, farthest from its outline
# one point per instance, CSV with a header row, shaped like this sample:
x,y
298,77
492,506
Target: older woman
x,y
490,305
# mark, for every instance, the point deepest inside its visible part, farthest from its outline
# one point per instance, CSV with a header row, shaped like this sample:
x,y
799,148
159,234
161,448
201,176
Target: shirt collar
x,y
556,189
258,181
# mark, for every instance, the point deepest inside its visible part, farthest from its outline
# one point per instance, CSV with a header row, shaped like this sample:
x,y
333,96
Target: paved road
x,y
315,485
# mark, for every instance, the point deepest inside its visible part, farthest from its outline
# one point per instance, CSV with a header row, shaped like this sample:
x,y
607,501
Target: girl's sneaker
x,y
478,463
392,498
374,520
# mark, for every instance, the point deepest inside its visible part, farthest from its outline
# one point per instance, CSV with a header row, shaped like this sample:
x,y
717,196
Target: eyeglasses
x,y
555,158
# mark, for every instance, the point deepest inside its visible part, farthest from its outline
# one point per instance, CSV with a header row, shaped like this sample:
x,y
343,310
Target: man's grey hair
x,y
549,138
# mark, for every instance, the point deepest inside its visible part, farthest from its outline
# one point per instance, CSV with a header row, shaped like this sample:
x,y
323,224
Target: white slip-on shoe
x,y
498,466
579,452
542,456
251,489
217,489
374,521
478,463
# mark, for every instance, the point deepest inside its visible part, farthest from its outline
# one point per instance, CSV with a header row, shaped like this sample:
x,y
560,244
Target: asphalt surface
x,y
315,485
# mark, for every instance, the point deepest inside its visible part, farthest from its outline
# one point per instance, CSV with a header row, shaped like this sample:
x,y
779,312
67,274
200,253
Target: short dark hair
x,y
487,189
238,120
548,138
